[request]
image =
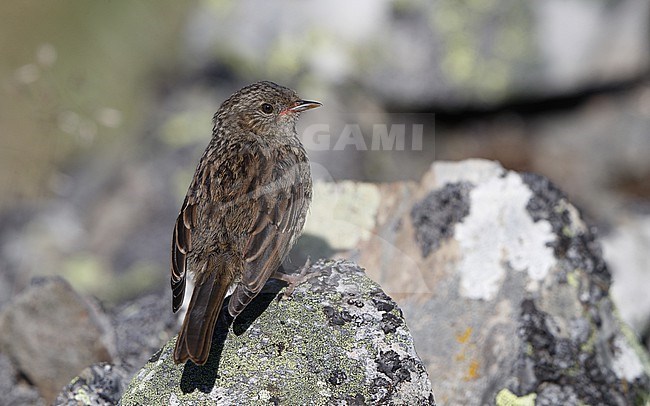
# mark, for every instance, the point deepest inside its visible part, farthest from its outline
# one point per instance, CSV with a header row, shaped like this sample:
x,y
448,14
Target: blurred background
x,y
105,108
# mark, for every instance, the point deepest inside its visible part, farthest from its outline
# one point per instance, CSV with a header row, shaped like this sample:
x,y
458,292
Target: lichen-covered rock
x,y
418,53
98,385
505,290
338,340
627,250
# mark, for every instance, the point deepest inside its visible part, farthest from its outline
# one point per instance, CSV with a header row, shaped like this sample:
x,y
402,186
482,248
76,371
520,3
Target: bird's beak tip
x,y
302,105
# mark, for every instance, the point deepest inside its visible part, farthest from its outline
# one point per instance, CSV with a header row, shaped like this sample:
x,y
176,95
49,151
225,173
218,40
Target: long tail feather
x,y
195,338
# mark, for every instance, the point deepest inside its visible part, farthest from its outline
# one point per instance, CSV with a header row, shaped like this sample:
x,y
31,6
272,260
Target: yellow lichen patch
x,y
507,398
464,337
472,371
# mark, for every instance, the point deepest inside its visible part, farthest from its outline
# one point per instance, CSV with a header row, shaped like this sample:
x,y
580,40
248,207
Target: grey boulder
x,y
338,340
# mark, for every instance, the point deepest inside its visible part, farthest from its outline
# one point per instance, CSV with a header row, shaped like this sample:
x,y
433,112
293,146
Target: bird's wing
x,y
181,246
277,208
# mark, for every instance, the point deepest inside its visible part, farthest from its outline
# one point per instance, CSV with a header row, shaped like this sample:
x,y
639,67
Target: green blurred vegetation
x,y
75,76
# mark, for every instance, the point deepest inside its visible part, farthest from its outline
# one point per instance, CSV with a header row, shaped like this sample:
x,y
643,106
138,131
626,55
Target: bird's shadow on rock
x,y
203,377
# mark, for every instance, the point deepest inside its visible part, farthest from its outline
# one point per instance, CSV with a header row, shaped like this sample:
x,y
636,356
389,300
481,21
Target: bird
x,y
244,209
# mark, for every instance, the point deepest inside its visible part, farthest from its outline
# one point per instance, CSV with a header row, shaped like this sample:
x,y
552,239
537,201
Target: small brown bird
x,y
243,211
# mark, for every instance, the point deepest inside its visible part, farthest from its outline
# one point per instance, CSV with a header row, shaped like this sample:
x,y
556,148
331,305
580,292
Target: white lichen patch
x,y
500,233
323,390
264,395
475,171
368,362
626,363
145,381
217,394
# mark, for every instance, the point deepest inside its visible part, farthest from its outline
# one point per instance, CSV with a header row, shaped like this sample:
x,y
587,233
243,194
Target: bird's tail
x,y
195,338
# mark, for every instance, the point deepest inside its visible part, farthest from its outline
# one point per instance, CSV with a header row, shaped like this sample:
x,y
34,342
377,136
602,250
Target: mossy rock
x,y
338,339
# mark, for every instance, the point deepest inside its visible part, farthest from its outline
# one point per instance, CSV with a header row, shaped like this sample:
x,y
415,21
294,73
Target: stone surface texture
x,y
14,391
100,384
51,333
504,288
338,340
416,53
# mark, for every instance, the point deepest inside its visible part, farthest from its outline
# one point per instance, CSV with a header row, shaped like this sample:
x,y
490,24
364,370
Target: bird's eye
x,y
267,108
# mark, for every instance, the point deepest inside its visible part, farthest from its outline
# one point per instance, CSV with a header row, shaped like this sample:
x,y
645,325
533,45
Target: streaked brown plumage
x,y
244,210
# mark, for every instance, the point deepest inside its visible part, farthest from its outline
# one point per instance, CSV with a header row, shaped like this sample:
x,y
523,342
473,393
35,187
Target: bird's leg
x,y
295,279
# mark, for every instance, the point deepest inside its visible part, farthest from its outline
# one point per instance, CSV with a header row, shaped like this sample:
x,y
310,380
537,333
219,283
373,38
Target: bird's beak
x,y
302,105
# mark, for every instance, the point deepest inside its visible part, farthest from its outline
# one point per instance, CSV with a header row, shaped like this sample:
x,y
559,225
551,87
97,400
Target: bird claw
x,y
295,279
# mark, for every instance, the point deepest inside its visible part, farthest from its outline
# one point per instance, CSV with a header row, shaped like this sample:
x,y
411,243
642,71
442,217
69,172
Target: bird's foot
x,y
296,279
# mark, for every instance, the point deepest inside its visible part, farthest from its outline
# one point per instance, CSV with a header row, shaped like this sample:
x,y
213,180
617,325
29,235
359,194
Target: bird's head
x,y
263,108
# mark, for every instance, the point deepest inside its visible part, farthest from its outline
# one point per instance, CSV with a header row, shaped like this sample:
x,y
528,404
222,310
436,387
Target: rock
x,y
338,340
479,55
14,391
504,289
99,384
612,126
627,250
142,326
51,333
413,54
340,210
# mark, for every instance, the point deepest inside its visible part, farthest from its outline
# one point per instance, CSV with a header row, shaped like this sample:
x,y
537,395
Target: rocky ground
x,y
502,295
